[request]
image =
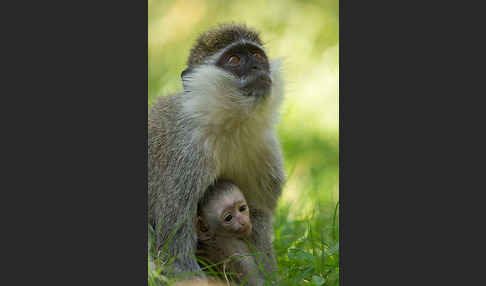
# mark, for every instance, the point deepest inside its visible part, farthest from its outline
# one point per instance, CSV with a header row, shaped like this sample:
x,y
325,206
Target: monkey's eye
x,y
259,57
242,208
234,60
228,218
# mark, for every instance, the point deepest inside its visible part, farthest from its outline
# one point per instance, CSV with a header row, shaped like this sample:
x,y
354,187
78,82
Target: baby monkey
x,y
223,224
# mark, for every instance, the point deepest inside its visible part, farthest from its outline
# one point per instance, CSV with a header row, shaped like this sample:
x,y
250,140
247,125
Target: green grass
x,y
307,249
306,227
305,35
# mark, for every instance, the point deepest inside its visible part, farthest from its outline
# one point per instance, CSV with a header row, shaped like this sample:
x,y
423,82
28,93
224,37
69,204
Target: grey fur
x,y
181,166
237,258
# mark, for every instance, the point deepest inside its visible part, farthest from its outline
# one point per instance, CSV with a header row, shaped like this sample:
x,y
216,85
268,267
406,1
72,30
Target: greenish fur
x,y
301,31
209,132
213,40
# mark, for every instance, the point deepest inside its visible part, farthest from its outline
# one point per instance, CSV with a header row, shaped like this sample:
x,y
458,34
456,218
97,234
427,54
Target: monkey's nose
x,y
245,226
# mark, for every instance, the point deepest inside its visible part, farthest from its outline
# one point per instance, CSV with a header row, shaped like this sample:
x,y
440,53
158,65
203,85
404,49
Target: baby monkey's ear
x,y
201,225
203,232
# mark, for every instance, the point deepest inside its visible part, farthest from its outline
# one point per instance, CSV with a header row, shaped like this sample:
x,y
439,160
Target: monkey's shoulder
x,y
210,249
164,116
165,105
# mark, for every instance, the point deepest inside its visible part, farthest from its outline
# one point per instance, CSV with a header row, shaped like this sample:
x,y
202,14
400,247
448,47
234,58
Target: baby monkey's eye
x,y
234,60
242,208
228,218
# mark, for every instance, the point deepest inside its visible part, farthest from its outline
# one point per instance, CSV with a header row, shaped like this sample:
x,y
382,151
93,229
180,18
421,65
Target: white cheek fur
x,y
215,101
233,128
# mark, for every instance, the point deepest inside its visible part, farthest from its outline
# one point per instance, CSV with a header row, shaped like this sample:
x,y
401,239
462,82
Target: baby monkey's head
x,y
223,212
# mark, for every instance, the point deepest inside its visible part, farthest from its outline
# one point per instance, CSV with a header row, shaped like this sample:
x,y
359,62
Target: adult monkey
x,y
221,127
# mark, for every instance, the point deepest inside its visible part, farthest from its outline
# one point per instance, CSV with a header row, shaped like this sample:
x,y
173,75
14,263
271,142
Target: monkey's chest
x,y
245,166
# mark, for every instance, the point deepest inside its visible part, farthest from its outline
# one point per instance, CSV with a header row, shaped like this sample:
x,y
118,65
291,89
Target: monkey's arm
x,y
175,214
179,172
261,243
271,182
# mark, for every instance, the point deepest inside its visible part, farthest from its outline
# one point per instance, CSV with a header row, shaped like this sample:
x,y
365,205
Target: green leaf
x,y
317,280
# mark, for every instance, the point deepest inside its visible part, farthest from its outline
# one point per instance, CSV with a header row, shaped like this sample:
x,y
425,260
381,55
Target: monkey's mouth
x,y
246,231
257,85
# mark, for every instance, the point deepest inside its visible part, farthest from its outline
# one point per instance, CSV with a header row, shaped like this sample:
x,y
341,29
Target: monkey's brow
x,y
245,44
240,201
233,205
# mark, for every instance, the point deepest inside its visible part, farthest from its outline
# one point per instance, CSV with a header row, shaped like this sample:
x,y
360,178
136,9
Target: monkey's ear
x,y
184,76
185,72
201,225
203,232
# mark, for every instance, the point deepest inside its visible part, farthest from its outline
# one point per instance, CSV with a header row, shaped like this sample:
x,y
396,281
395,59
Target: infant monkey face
x,y
236,219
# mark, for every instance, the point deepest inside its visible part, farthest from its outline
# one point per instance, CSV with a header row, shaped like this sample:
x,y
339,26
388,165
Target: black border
x,y
409,95
74,110
76,143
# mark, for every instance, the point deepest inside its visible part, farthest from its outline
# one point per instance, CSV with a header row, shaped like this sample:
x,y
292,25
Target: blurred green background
x,y
305,34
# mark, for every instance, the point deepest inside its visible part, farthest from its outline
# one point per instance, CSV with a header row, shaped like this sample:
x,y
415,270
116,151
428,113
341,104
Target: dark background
x,y
74,107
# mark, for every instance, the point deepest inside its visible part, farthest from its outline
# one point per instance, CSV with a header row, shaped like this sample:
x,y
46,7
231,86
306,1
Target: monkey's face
x,y
230,79
235,220
249,64
228,216
241,69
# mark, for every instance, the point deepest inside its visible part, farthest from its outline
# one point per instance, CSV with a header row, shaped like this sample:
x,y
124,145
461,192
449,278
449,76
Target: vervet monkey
x,y
221,127
223,225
